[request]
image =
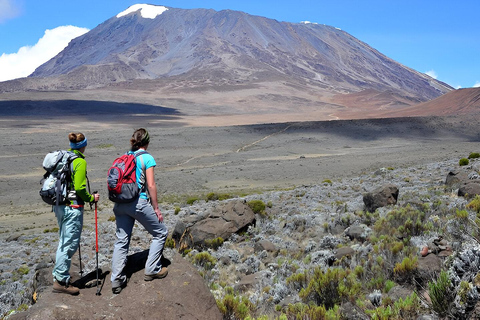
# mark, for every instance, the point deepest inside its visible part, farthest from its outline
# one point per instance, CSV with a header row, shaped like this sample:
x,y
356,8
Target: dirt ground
x,y
194,160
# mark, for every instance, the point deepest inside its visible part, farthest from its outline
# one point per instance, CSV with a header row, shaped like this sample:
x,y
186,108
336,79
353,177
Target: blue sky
x,y
441,38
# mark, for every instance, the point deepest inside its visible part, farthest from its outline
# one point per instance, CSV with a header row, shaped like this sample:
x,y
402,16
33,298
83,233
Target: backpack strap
x,y
143,178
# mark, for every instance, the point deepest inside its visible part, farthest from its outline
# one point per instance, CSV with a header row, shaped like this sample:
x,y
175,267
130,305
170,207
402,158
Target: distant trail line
x,y
263,139
238,150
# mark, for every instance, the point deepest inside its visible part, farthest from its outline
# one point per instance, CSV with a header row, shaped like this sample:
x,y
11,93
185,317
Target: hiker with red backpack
x,y
69,213
135,197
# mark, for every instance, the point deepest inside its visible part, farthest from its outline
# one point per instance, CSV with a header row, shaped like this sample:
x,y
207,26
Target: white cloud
x,y
477,84
8,10
432,74
28,58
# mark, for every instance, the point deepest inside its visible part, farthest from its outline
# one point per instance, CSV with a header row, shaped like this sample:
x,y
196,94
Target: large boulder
x,y
456,178
181,295
380,197
469,190
221,221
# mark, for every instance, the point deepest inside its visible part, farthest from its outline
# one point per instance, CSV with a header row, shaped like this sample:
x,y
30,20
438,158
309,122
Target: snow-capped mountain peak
x,y
147,11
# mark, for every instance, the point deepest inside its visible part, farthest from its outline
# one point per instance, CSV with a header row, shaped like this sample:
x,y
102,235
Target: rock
x,y
456,178
265,245
350,312
399,292
380,197
14,237
469,190
344,252
221,221
359,232
248,282
181,295
424,251
428,267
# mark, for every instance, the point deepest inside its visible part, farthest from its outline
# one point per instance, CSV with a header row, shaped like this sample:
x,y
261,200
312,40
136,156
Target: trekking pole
x,y
96,246
80,258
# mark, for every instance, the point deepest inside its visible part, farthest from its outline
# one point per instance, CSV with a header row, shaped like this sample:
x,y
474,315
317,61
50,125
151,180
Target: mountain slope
x,y
233,47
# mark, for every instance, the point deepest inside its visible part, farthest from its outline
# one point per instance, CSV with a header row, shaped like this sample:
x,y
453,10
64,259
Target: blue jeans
x,y
70,224
125,215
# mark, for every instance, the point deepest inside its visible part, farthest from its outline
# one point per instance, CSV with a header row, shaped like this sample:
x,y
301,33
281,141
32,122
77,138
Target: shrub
x,y
463,162
304,311
177,210
191,200
204,260
474,155
170,243
401,309
212,196
441,294
389,284
233,307
406,269
474,204
23,270
112,218
257,206
214,243
328,288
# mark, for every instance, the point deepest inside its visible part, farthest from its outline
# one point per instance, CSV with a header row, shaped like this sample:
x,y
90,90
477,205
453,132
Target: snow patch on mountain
x,y
147,11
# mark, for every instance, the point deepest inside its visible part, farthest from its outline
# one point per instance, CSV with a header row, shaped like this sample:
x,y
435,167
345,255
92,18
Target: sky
x,y
438,37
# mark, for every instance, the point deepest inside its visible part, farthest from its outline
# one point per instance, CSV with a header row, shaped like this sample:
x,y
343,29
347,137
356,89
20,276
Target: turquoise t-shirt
x,y
148,162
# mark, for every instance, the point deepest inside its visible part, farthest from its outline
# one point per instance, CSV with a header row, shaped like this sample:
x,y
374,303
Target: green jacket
x,y
79,179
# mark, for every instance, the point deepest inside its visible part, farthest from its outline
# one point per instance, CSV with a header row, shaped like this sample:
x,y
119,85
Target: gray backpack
x,y
57,178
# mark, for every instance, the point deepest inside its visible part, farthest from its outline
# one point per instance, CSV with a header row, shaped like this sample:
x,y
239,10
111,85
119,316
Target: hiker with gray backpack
x,y
65,187
131,185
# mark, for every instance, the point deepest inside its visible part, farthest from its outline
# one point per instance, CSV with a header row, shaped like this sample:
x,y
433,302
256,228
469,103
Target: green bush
x,y
170,243
204,260
441,294
330,287
234,307
474,155
463,162
177,210
257,206
191,200
304,311
212,196
405,270
214,243
474,204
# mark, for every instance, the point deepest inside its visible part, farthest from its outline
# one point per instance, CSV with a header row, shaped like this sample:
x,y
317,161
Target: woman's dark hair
x,y
140,138
76,137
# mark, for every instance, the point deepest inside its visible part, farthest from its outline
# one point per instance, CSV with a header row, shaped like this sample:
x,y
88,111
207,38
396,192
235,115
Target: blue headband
x,y
78,145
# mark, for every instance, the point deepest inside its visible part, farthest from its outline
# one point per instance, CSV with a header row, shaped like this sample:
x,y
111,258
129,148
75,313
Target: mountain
x,y
247,60
458,102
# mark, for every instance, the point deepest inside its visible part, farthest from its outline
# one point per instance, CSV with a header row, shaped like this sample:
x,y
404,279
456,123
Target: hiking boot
x,y
63,287
162,274
117,290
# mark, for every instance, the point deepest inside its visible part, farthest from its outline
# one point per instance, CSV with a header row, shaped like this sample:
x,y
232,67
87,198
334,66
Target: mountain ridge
x,y
241,60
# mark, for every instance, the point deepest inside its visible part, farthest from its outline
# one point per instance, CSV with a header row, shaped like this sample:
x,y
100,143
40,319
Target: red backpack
x,y
122,179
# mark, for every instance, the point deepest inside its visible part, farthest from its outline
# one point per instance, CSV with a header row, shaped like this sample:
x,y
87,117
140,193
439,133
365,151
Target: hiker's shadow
x,y
136,262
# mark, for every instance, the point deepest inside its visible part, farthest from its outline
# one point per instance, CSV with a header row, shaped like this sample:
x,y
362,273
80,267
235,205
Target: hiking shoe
x,y
117,290
162,274
63,287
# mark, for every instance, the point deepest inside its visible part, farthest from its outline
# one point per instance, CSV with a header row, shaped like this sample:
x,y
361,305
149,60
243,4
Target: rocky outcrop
x,y
469,190
175,297
380,197
221,221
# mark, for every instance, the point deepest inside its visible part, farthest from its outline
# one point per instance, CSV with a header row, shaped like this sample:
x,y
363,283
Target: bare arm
x,y
152,191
